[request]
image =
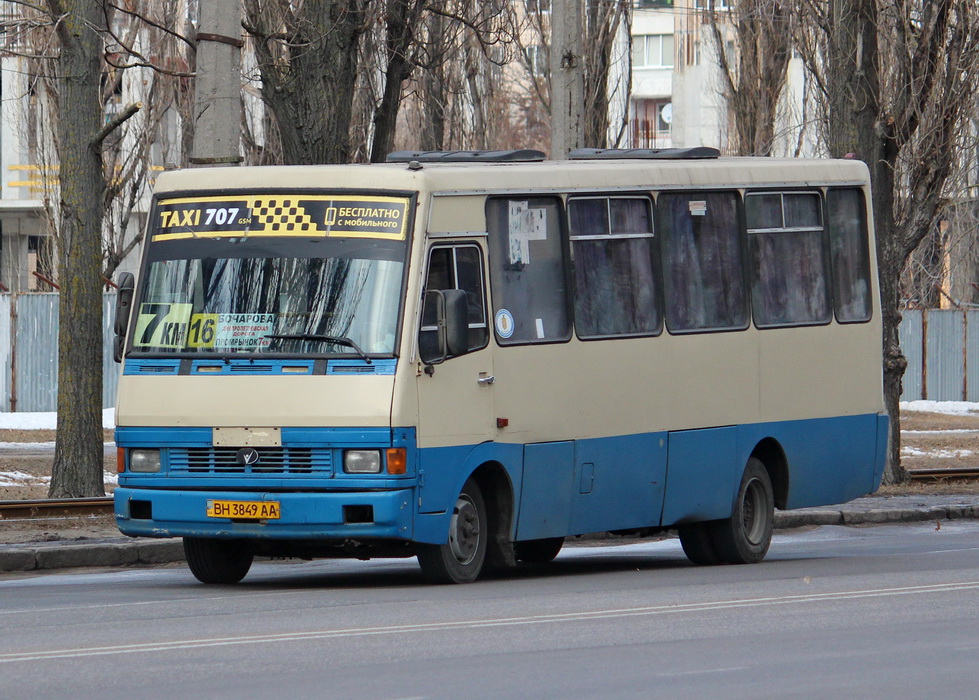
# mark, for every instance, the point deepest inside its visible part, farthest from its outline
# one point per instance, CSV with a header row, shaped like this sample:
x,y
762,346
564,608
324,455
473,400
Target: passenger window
x,y
789,260
850,252
454,267
527,270
705,286
615,267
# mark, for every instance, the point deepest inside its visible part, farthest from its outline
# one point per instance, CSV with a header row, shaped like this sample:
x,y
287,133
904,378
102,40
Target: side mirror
x,y
448,311
456,322
124,302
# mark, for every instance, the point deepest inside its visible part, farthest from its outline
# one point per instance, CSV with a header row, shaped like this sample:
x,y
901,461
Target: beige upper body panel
x,y
248,401
540,392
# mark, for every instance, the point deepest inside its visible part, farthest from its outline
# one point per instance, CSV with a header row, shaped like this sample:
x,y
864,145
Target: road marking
x,y
477,624
703,672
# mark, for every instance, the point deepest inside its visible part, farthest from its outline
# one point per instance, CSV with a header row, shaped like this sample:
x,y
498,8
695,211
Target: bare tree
x,y
82,131
607,63
753,85
898,80
80,53
604,19
307,52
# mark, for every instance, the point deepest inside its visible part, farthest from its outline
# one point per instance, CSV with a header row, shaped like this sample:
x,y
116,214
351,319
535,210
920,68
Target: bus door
x,y
455,395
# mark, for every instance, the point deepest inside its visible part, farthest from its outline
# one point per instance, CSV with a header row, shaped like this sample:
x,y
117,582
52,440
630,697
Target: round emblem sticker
x,y
504,323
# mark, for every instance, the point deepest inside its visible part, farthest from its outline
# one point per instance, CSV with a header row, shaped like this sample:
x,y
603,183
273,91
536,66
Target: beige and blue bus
x,y
469,357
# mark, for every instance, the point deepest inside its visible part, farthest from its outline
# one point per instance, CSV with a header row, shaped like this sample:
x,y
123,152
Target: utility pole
x,y
567,78
217,97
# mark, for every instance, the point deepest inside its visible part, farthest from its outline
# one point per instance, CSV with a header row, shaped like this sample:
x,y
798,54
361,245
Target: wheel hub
x,y
464,530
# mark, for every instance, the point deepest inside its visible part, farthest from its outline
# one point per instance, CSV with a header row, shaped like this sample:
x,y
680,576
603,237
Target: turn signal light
x,y
397,460
120,459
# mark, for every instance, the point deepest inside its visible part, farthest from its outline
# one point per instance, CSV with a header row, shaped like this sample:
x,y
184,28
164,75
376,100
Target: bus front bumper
x,y
335,515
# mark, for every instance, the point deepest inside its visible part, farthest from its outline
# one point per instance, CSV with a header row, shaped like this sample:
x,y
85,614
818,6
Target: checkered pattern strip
x,y
281,215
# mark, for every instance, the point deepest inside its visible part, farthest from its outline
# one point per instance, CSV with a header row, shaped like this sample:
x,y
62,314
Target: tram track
x,y
943,473
84,507
55,508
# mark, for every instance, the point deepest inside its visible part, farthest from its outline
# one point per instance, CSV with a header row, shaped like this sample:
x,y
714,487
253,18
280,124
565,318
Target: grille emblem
x,y
247,456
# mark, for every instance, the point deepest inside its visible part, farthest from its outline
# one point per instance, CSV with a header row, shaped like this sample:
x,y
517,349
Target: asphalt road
x,y
870,612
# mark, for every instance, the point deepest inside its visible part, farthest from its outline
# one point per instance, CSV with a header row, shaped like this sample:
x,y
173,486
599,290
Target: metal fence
x,y
942,347
29,352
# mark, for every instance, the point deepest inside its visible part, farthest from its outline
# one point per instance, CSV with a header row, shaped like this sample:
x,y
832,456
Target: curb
x,y
125,551
35,556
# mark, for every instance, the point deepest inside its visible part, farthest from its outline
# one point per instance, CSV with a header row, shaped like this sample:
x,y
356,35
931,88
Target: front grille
x,y
302,461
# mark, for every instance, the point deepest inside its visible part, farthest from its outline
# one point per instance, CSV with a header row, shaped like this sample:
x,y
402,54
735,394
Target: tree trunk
x,y
403,17
308,76
78,455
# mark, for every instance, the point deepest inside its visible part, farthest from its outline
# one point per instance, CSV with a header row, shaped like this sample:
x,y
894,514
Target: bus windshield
x,y
216,293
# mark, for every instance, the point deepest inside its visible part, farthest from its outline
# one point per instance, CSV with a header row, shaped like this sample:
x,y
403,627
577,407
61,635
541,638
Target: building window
x,y
538,6
651,122
537,60
652,51
713,4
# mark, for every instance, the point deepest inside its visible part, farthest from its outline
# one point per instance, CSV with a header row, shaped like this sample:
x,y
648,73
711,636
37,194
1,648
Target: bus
x,y
469,357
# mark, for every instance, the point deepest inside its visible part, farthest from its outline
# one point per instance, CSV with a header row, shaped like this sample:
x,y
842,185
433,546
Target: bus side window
x,y
788,250
702,256
454,267
847,217
616,267
527,270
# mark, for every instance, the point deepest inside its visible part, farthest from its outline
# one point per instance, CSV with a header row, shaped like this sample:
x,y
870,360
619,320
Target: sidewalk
x,y
126,551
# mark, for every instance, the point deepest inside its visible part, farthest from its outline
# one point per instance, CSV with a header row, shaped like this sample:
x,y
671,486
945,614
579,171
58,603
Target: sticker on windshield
x,y
162,325
281,214
230,331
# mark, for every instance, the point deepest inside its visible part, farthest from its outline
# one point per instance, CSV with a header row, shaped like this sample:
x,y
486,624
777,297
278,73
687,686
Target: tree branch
x,y
114,124
58,14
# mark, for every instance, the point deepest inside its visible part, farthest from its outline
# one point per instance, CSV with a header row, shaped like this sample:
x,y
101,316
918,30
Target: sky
x,y
48,421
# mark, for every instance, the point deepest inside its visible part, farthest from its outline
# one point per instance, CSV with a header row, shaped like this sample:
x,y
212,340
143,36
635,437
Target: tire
x,y
698,545
217,561
461,559
538,551
744,538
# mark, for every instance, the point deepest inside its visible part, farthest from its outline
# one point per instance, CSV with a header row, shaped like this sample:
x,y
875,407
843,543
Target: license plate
x,y
244,510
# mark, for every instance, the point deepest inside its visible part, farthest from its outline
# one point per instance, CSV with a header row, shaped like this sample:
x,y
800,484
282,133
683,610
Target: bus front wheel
x,y
744,538
538,551
698,543
461,558
217,561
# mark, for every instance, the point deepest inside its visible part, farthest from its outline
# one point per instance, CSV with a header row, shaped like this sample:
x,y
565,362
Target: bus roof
x,y
564,175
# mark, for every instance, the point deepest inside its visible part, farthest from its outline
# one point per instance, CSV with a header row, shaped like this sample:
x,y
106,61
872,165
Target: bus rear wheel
x,y
217,561
744,538
538,551
461,559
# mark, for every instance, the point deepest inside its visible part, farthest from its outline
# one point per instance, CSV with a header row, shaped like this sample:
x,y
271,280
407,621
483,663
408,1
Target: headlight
x,y
145,461
362,462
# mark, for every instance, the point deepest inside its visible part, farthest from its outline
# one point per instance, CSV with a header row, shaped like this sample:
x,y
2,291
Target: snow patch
x,y
46,421
936,454
950,408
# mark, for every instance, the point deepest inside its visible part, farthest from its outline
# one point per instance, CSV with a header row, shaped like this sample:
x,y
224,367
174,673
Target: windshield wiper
x,y
336,340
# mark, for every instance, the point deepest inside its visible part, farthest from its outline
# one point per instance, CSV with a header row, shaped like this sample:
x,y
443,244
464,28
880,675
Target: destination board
x,y
281,215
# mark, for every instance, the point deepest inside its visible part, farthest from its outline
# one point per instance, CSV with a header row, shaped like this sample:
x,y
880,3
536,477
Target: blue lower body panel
x,y
552,489
303,515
